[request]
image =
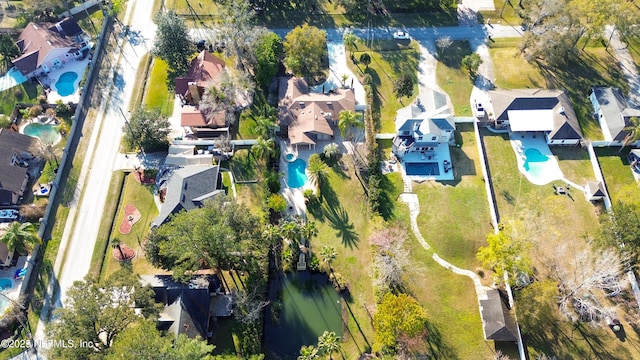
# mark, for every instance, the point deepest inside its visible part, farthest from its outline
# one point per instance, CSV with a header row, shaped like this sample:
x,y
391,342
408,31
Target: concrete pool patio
x,y
51,79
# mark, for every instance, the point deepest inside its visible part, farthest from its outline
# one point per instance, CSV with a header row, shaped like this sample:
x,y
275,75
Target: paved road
x,y
84,219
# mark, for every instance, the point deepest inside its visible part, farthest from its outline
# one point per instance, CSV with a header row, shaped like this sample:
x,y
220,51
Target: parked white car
x,y
401,35
480,113
9,214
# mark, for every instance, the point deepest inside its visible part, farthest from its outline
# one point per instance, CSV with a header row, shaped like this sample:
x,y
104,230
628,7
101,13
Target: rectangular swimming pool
x,y
425,169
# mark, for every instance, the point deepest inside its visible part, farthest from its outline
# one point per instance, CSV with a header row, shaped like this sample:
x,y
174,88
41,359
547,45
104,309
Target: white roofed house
x,y
545,112
422,142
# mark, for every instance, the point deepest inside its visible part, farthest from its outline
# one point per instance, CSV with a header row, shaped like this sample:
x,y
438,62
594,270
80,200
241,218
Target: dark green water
x,y
310,305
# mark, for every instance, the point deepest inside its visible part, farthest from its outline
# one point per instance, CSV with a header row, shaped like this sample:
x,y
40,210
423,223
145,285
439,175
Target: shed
x,y
497,323
594,190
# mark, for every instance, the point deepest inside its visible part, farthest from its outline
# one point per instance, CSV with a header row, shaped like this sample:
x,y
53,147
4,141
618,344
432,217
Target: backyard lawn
x,y
617,174
464,200
455,329
389,59
157,94
453,79
24,93
142,197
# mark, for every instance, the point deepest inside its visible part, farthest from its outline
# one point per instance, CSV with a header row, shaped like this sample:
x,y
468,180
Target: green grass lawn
x,y
453,79
388,60
511,70
23,93
506,13
617,174
157,94
142,197
455,328
464,200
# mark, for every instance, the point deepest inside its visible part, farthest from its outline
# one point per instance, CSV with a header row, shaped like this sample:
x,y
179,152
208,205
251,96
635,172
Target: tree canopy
x,y
98,312
620,228
398,318
268,52
8,49
403,86
503,255
304,48
147,129
219,233
20,238
173,44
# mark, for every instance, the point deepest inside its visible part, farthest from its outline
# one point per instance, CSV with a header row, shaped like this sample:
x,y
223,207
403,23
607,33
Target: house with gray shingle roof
x,y
613,113
187,188
15,149
548,112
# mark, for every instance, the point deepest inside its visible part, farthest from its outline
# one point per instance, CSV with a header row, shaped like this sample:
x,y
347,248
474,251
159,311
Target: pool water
x,y
535,162
5,284
297,177
48,133
65,85
425,169
307,306
290,157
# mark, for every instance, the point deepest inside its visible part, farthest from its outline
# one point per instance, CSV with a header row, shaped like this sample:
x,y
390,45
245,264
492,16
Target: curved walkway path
x,y
414,210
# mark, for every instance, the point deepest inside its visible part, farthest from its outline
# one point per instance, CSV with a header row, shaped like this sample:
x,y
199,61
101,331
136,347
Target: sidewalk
x,y
626,62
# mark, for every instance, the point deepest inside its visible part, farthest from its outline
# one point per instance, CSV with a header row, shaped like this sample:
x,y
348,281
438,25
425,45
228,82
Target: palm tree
x,y
327,255
318,171
634,132
308,353
265,126
20,238
309,230
328,343
116,244
349,40
290,230
347,119
263,147
365,58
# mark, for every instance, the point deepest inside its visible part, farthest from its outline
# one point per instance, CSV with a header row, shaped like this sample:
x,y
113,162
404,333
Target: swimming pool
x,y
425,169
48,133
65,85
535,162
290,157
5,284
297,177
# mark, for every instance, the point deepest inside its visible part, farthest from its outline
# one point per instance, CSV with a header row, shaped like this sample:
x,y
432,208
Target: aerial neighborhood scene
x,y
319,179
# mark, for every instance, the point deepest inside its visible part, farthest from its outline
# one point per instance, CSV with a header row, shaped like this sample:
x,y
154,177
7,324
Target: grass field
x,y
24,93
453,79
157,94
464,200
389,59
617,174
142,197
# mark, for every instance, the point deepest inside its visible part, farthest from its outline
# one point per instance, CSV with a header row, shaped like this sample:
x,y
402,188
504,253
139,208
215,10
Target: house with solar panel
x,y
536,112
422,142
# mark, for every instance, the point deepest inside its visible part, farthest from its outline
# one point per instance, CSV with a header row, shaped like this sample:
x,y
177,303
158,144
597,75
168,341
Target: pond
x,y
309,305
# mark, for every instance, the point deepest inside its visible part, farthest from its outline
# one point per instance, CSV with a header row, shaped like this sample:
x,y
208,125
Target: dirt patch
x,y
131,216
123,253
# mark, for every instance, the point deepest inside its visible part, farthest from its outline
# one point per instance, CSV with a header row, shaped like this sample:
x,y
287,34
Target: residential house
x,y
187,188
538,111
308,117
422,142
613,113
15,152
497,322
206,70
189,308
48,46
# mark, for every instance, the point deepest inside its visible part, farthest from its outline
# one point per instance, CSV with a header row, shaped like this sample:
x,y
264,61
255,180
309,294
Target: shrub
x,y
51,112
314,263
18,93
35,110
277,203
272,183
309,196
32,213
42,99
5,121
62,108
338,281
48,173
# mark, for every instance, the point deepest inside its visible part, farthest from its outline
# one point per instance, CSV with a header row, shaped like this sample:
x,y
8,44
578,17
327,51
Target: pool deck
x,y
294,196
76,66
9,272
438,156
520,142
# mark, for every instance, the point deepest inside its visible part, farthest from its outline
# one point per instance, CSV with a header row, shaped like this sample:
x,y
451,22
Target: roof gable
x,y
205,68
40,39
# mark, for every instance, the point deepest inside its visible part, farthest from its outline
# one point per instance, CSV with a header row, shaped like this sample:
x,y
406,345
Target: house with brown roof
x,y
15,151
48,46
310,117
206,70
547,112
